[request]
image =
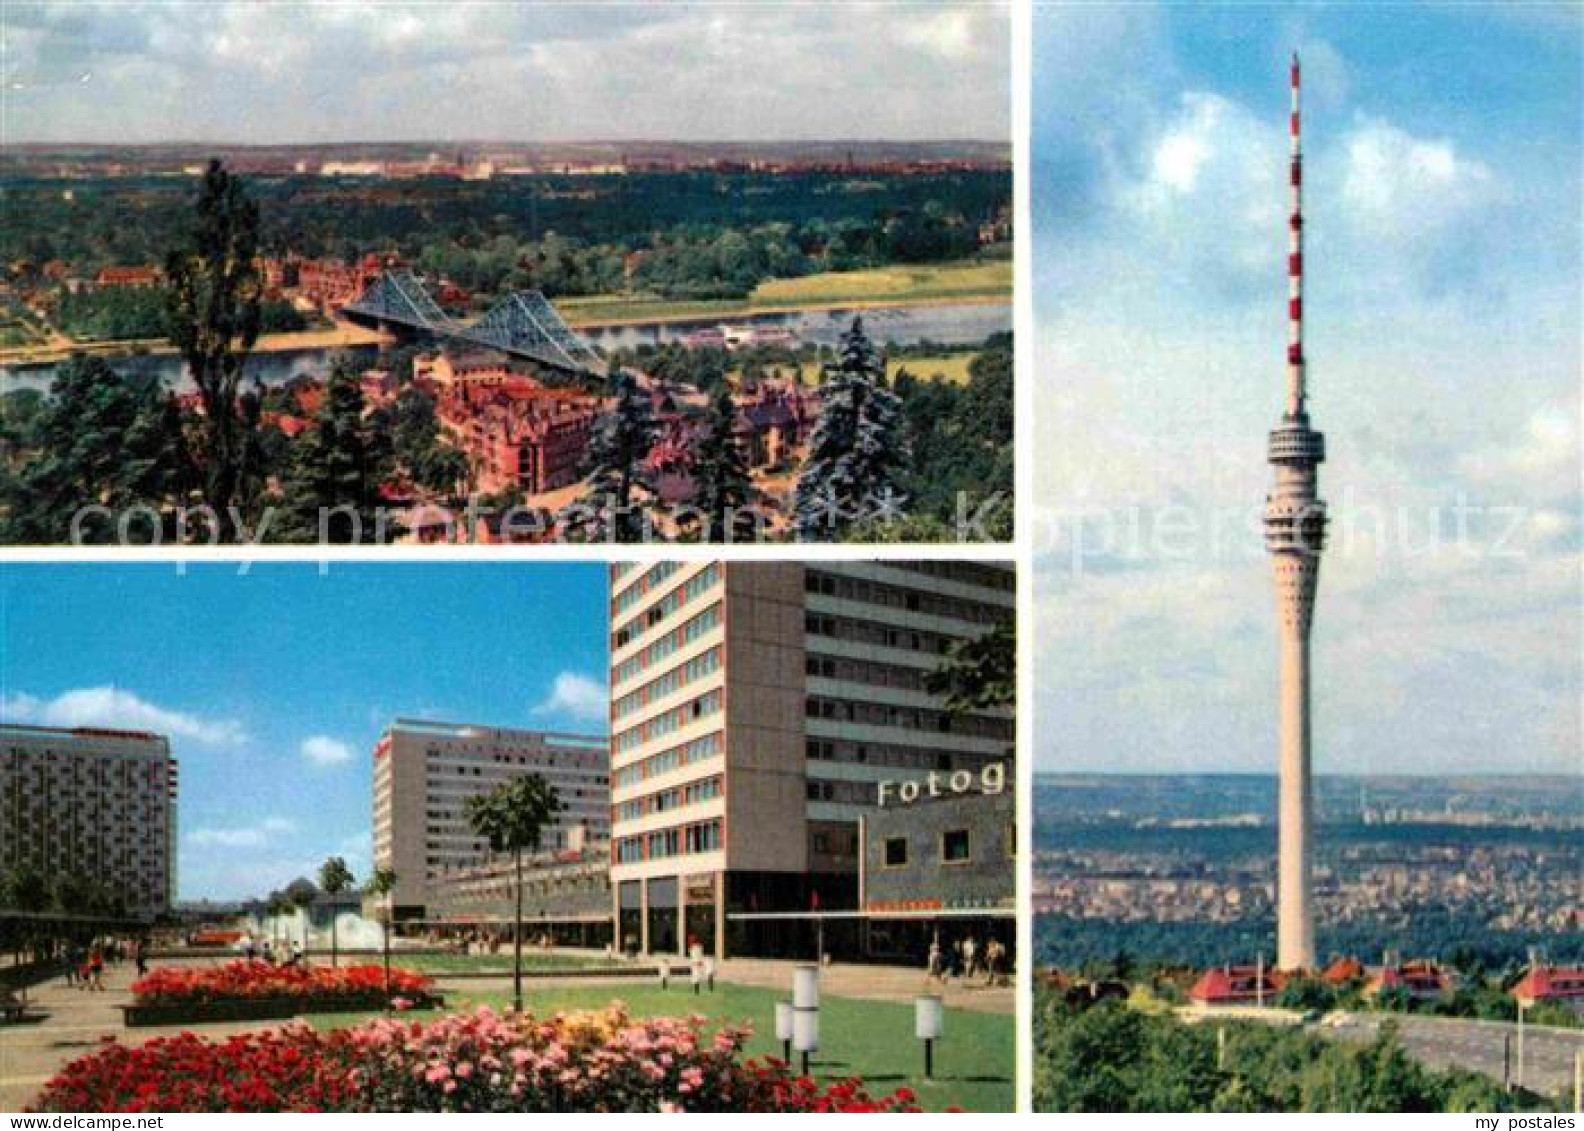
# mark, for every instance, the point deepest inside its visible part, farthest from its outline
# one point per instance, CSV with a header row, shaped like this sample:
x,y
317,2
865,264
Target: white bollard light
x,y
805,1011
928,1020
783,1028
805,987
665,974
805,1033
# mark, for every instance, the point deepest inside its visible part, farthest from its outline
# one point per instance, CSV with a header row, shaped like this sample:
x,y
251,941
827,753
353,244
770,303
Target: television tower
x,y
1295,521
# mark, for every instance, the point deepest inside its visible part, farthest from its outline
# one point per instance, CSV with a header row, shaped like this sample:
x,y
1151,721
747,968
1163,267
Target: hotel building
x,y
424,774
94,804
758,711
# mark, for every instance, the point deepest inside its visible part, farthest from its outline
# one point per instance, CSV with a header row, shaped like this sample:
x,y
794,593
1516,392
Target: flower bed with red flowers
x,y
472,1062
244,991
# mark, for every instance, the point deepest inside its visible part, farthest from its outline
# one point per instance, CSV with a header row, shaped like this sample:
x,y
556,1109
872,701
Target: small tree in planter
x,y
512,817
334,878
380,885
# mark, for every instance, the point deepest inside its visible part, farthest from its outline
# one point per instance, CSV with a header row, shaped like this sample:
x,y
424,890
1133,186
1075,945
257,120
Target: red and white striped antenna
x,y
1295,353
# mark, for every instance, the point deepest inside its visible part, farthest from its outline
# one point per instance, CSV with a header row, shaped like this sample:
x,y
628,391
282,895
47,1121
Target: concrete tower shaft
x,y
1295,523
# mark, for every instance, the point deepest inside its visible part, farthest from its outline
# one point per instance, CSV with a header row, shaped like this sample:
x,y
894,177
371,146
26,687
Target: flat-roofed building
x,y
424,774
756,710
93,804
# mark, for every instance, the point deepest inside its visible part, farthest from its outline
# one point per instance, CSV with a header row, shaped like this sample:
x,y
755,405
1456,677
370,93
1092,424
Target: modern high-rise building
x,y
1295,523
759,712
424,774
95,805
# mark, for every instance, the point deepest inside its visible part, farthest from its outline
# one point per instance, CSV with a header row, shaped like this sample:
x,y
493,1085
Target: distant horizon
x,y
161,143
1272,774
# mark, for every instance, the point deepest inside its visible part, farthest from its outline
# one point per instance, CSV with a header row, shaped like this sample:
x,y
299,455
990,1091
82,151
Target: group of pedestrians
x,y
966,958
86,963
284,954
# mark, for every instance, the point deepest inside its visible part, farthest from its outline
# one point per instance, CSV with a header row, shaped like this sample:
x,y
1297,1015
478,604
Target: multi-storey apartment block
x,y
424,774
95,805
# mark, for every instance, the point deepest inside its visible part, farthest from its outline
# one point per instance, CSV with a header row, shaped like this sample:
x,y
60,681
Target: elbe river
x,y
947,324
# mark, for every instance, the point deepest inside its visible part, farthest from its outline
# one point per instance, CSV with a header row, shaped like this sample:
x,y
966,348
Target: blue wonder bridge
x,y
523,324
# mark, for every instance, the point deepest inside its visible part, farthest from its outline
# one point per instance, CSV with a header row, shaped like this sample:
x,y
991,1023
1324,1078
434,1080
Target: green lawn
x,y
501,963
951,367
907,283
974,1063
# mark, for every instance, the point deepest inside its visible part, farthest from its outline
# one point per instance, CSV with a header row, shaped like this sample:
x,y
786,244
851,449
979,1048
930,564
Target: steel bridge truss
x,y
523,323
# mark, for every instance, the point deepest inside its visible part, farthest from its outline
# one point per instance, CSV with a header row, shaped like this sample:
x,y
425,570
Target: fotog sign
x,y
990,780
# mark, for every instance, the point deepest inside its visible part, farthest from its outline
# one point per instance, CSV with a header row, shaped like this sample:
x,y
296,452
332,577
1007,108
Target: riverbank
x,y
341,336
882,288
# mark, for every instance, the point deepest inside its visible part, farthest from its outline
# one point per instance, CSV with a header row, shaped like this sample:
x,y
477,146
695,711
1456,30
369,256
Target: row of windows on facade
x,y
477,772
857,631
678,797
895,757
690,590
638,590
867,672
669,721
696,750
536,756
886,596
984,575
909,718
689,840
678,638
816,749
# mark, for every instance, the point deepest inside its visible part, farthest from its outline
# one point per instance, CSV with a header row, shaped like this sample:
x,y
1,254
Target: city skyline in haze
x,y
336,73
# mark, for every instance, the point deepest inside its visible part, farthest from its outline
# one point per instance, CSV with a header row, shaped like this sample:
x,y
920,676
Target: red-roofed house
x,y
127,277
1237,985
1342,971
1423,979
1558,985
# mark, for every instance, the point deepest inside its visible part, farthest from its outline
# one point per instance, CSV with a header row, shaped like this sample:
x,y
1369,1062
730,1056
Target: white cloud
x,y
243,836
578,697
114,708
1444,370
252,72
323,750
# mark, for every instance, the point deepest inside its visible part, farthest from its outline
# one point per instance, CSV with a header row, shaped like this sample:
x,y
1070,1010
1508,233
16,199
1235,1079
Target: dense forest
x,y
118,313
1113,1058
1070,943
697,235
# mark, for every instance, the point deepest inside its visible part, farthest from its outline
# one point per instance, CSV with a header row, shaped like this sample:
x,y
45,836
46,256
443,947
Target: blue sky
x,y
275,685
1443,225
483,70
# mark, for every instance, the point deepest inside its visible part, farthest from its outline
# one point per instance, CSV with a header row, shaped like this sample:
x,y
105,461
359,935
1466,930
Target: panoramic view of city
x,y
689,338
1309,830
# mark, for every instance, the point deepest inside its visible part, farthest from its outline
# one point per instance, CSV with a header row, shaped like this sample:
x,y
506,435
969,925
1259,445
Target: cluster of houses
x,y
522,434
1422,980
